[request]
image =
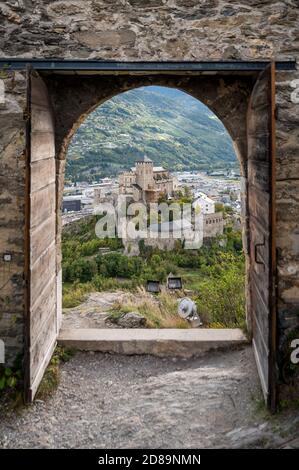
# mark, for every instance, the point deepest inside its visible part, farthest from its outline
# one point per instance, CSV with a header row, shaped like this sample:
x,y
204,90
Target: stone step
x,y
157,342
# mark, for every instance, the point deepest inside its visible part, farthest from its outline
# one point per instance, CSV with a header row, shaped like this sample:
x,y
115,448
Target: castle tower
x,y
145,173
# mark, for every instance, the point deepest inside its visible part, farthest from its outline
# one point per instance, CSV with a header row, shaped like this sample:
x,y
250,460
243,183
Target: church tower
x,y
145,173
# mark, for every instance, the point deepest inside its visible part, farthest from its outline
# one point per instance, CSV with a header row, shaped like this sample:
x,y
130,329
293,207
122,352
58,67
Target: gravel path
x,y
112,401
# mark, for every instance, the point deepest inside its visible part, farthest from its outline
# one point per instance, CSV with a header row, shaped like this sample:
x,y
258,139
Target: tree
x,y
218,207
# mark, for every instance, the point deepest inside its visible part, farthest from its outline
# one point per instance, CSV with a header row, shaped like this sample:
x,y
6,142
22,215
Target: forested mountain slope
x,y
172,128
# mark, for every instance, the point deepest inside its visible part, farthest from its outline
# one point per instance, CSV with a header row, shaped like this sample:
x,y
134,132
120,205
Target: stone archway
x,y
74,97
61,102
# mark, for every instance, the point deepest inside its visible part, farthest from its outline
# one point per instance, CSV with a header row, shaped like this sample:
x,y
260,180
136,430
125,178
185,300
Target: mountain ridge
x,y
172,128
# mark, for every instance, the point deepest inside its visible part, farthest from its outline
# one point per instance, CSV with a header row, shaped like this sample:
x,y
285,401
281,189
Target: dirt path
x,y
107,401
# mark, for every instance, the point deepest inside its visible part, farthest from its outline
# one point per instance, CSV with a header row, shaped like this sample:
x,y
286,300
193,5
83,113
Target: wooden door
x,y
41,321
261,193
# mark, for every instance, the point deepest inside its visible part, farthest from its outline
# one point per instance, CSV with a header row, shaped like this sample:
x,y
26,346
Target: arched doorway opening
x,y
169,145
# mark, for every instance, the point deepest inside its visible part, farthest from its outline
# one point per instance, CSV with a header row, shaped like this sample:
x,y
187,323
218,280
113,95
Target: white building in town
x,y
205,203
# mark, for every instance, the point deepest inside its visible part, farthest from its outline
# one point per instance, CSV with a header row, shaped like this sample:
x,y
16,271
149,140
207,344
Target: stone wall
x,y
12,212
148,30
213,224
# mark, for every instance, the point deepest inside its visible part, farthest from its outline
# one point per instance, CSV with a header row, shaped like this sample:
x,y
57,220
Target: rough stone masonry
x,y
145,30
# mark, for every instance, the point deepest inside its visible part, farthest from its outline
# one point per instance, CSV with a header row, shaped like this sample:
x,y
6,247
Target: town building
x,y
126,181
76,203
204,203
71,204
213,222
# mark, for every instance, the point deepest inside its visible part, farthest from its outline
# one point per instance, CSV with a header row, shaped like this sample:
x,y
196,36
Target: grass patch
x,y
288,404
119,310
75,294
101,283
51,377
191,278
159,311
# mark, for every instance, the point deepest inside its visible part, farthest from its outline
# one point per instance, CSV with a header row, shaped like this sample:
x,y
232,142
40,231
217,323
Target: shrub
x,y
119,265
101,283
80,270
9,378
222,295
11,383
91,247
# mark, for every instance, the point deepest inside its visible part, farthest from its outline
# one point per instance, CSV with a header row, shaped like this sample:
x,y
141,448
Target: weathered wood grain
x,y
39,92
43,173
42,237
259,204
46,336
259,133
42,145
258,173
43,204
42,322
40,310
41,271
42,119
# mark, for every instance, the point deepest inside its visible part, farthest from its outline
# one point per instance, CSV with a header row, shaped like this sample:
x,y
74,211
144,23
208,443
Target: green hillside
x,y
169,126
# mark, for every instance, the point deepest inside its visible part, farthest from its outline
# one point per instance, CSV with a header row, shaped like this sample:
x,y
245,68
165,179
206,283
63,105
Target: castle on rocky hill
x,y
146,182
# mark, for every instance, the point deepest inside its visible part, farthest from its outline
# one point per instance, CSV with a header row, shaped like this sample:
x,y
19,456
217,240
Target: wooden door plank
x,y
43,204
42,145
41,322
273,290
261,189
43,172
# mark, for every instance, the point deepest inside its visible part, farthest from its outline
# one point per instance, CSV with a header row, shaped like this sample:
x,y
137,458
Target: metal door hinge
x,y
26,115
256,247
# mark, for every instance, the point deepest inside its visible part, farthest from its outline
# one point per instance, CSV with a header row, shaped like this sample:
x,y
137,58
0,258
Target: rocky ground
x,y
95,312
92,313
113,401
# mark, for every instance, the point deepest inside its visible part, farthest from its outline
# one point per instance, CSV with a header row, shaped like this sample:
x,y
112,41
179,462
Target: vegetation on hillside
x,y
174,129
214,274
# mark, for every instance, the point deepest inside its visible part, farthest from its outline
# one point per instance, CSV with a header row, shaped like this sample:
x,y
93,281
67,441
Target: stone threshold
x,y
157,342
